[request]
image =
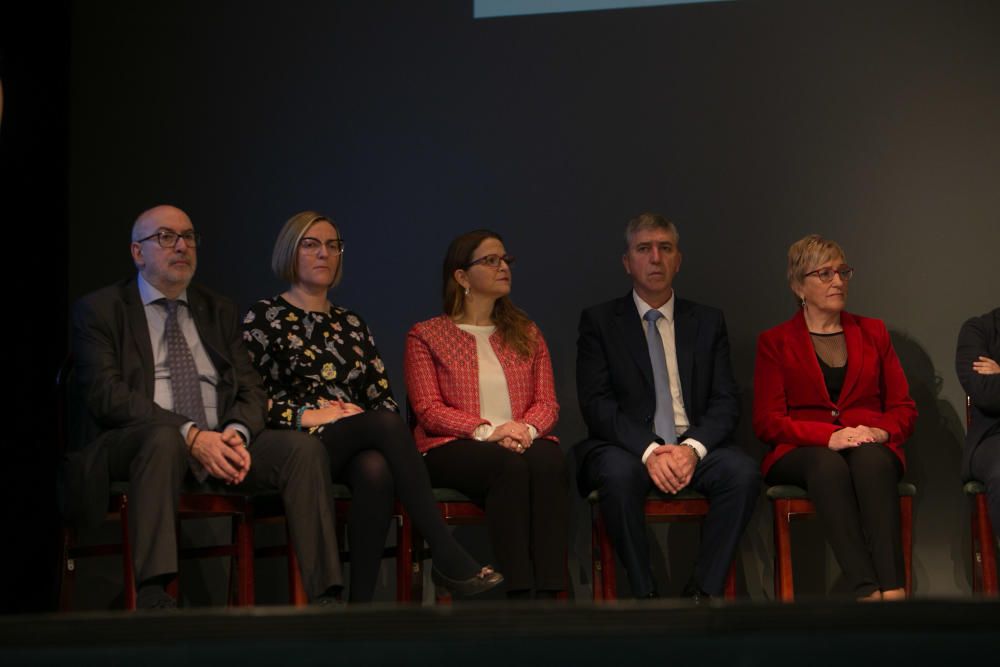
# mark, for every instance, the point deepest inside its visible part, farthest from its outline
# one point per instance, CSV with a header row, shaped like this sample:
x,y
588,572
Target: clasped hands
x,y
224,455
852,436
329,412
671,467
512,435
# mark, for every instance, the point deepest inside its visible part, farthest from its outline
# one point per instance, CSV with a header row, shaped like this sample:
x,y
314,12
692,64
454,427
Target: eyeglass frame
x,y
486,259
191,238
315,251
849,270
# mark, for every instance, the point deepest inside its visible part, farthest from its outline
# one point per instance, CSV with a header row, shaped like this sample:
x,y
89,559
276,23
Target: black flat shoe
x,y
481,582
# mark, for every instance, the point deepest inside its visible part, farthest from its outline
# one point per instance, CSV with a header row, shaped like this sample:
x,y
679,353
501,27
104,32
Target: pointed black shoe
x,y
480,582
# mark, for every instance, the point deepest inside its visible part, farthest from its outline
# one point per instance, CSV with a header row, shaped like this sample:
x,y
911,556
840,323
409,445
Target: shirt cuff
x,y
483,431
533,432
649,450
185,429
241,429
699,448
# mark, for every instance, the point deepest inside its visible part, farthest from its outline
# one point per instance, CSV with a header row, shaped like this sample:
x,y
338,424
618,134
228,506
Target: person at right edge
x,y
657,393
831,400
976,362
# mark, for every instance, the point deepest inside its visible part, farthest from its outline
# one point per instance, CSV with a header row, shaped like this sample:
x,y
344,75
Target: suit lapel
x,y
685,341
805,354
208,331
139,329
855,353
630,333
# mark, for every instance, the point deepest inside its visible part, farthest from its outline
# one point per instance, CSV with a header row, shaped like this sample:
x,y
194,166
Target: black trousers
x,y
374,453
985,466
857,502
526,501
154,460
727,476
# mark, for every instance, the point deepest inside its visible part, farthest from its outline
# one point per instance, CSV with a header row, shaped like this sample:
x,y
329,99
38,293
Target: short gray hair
x,y
649,221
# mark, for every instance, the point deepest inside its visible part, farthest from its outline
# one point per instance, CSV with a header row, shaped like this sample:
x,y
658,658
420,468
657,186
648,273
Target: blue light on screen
x,y
489,8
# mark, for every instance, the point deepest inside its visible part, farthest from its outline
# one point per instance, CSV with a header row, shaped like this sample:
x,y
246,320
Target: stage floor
x,y
621,633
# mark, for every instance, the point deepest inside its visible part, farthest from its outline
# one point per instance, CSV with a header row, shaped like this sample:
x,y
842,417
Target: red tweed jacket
x,y
442,378
791,407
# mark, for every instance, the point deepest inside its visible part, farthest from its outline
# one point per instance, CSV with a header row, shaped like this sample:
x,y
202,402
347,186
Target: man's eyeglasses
x,y
492,261
826,275
168,239
311,245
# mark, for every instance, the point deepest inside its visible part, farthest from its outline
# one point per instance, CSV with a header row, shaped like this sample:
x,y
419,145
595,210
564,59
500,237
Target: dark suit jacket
x,y
791,406
114,381
980,336
614,376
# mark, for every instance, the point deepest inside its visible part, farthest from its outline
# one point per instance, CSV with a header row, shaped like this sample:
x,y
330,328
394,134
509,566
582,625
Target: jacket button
x,y
834,413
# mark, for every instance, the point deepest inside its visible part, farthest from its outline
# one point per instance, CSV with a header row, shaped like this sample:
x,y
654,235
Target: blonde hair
x,y
285,257
808,253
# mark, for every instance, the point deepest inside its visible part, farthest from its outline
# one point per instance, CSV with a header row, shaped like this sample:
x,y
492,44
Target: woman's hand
x,y
853,436
329,412
512,435
985,366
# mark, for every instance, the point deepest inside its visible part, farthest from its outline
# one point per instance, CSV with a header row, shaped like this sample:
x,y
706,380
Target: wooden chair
x,y
687,505
792,502
235,507
984,551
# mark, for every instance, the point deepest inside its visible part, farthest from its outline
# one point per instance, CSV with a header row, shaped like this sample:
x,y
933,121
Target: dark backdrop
x,y
749,123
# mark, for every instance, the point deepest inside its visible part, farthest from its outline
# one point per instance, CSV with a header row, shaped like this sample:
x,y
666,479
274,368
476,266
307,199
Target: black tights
x,y
374,454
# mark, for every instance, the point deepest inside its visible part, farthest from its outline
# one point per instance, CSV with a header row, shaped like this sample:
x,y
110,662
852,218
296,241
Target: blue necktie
x,y
663,418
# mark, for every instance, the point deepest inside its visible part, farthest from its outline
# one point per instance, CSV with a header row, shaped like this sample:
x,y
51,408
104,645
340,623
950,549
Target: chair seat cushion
x,y
446,495
974,487
655,494
790,492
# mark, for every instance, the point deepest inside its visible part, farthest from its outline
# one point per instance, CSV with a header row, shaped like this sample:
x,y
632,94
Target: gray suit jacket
x,y
114,382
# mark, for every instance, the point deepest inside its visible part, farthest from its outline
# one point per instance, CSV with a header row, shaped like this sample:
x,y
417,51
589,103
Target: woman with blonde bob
x,y
324,375
831,400
480,384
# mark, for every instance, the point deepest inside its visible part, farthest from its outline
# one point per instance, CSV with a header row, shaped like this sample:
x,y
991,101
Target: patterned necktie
x,y
663,418
185,384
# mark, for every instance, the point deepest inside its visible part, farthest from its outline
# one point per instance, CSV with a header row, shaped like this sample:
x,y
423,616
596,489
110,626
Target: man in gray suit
x,y
172,402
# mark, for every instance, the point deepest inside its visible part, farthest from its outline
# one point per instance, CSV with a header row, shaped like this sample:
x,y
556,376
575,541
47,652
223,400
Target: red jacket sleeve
x,y
543,408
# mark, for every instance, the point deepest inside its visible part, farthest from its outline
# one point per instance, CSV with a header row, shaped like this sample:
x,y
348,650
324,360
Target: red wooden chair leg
x,y
606,554
977,553
597,566
244,561
404,558
128,569
906,527
296,590
987,546
729,592
784,588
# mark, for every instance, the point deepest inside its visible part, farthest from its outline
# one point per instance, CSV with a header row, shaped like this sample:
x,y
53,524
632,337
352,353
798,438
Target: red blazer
x,y
791,407
442,379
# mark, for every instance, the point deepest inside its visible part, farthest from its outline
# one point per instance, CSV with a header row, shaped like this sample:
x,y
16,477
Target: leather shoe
x,y
154,598
480,582
695,594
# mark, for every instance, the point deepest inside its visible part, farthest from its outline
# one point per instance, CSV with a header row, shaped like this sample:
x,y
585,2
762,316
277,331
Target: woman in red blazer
x,y
480,385
831,400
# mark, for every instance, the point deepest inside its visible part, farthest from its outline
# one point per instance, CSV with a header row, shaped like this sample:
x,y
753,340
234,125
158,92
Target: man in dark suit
x,y
171,401
977,362
657,393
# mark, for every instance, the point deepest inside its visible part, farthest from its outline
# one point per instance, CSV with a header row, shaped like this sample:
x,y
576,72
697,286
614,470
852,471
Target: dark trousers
x,y
726,476
526,501
374,453
985,466
154,460
857,502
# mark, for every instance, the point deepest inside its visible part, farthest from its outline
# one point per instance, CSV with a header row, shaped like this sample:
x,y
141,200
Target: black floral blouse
x,y
310,358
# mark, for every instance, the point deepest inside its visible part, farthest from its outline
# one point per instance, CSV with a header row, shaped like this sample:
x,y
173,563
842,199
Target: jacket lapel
x,y
630,333
139,329
855,353
685,341
208,332
805,355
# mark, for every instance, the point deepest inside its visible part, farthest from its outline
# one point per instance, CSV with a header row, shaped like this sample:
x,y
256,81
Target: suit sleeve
x,y
984,390
600,407
543,411
899,412
771,421
433,414
97,348
250,404
717,423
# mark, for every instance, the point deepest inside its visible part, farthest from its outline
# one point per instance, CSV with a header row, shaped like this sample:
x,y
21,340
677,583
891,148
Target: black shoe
x,y
480,582
651,595
695,594
154,598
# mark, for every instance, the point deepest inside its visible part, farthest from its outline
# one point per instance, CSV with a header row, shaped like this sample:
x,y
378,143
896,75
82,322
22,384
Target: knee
x,y
163,445
513,468
830,470
303,449
547,463
873,462
740,474
623,481
386,424
370,468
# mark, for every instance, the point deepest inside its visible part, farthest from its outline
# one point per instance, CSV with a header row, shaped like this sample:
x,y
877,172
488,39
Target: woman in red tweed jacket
x,y
831,399
480,385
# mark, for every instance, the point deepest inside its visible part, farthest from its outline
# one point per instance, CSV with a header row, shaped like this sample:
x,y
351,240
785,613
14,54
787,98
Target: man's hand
x,y
671,467
985,366
221,458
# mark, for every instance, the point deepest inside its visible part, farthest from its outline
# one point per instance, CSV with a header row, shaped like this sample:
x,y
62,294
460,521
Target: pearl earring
x,y
467,290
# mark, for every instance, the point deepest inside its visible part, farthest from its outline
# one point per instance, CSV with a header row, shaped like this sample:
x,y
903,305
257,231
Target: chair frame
x,y
984,551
